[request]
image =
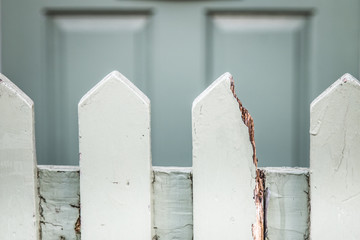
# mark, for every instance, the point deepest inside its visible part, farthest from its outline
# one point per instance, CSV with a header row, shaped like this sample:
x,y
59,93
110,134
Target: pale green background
x,y
282,55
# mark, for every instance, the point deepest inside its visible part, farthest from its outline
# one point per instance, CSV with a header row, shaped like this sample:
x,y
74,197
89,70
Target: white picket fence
x,y
223,196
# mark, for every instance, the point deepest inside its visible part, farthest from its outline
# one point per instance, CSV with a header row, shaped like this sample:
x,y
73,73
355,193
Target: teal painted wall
x,y
282,55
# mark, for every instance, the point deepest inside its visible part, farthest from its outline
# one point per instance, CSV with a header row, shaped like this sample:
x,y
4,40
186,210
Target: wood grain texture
x,y
59,193
224,172
334,161
287,203
18,185
115,161
173,207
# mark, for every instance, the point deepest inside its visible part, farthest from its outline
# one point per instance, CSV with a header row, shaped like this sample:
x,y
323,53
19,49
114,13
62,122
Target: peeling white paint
x,y
59,192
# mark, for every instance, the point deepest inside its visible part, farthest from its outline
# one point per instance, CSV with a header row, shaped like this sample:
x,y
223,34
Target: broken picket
x,y
115,161
18,184
335,161
223,167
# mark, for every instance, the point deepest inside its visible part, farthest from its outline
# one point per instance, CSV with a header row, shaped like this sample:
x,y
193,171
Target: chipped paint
x,y
258,226
223,166
59,196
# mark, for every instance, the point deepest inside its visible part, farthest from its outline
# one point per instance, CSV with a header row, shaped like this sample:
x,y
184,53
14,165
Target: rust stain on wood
x,y
78,225
258,230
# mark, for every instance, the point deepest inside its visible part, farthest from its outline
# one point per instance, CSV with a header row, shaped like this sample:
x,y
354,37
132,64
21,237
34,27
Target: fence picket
x,y
334,161
223,168
19,217
115,161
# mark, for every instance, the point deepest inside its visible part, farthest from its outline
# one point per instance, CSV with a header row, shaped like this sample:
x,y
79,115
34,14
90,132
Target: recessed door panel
x,y
265,54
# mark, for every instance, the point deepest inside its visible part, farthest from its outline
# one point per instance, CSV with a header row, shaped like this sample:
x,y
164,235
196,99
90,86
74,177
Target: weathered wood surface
x,y
18,185
223,168
59,193
173,208
287,203
335,161
115,161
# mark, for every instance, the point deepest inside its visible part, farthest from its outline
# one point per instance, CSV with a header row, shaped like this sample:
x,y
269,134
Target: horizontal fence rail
x,y
115,193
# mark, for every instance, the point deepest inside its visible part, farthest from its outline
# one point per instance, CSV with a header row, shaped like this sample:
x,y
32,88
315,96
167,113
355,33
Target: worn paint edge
x,y
172,169
258,230
57,168
286,170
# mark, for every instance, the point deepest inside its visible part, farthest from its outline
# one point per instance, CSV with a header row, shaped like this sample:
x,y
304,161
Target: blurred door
x,y
281,53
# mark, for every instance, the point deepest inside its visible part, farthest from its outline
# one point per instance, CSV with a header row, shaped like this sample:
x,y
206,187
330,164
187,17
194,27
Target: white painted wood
x,y
18,185
287,203
223,167
172,193
335,161
59,192
115,161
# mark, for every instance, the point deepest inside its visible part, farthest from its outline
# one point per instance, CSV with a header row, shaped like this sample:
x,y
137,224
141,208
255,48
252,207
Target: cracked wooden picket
x,y
223,167
18,184
115,161
335,162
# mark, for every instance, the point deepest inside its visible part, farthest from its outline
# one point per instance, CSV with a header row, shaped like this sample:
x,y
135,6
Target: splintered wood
x,y
258,230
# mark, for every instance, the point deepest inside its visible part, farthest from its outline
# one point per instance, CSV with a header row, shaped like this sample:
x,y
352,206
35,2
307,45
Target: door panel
x,y
262,53
82,50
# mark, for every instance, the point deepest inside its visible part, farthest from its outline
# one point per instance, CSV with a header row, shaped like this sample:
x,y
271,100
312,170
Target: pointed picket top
x,y
347,80
114,76
223,167
18,185
335,162
115,161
